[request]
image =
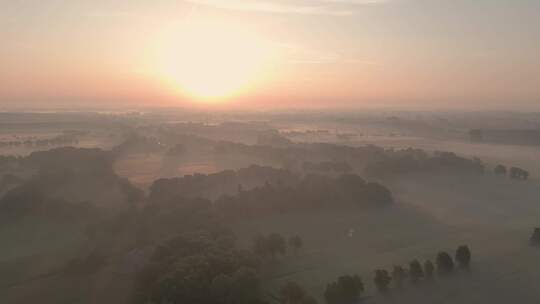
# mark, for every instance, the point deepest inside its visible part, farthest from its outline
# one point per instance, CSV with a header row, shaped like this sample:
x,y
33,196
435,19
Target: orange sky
x,y
268,53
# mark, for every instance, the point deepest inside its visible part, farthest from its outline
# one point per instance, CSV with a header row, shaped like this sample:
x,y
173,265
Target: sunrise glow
x,y
211,61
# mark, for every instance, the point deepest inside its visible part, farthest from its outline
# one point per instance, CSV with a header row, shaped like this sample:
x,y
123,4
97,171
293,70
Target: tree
x,y
177,150
476,135
276,244
199,267
295,243
398,276
500,170
260,246
429,269
382,280
535,237
518,173
378,194
416,271
445,264
346,290
463,256
271,245
292,293
309,300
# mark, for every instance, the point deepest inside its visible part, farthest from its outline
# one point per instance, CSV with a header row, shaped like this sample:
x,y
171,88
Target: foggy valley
x,y
270,152
123,207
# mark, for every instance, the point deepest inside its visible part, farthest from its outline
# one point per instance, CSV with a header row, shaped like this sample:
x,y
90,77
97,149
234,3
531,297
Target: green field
x,y
430,215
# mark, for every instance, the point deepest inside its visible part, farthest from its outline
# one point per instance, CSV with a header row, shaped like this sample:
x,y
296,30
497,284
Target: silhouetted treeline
x,y
60,179
513,172
311,192
135,143
535,237
273,138
200,267
444,266
177,150
293,293
8,162
327,167
293,156
67,138
506,136
34,199
275,244
418,161
191,256
375,161
194,257
200,185
346,290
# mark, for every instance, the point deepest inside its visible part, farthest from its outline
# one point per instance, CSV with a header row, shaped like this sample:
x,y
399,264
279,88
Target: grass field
x,y
494,216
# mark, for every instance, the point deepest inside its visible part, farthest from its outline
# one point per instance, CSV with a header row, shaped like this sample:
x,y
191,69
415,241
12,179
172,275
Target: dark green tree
x,y
309,300
398,276
415,271
463,256
271,245
500,170
346,290
518,173
261,246
292,293
200,268
535,237
296,243
382,280
429,268
445,264
276,244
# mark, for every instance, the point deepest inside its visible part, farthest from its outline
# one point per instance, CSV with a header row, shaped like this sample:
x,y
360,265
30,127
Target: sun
x,y
211,61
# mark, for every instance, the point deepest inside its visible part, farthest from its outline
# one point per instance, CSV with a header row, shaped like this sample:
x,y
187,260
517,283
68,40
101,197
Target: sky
x,y
271,53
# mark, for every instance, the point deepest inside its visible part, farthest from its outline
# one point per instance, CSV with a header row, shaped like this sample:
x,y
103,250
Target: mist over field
x,y
270,152
181,206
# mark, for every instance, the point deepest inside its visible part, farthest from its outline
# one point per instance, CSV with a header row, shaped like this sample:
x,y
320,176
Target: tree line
x,y
275,244
349,289
419,161
444,265
513,172
311,192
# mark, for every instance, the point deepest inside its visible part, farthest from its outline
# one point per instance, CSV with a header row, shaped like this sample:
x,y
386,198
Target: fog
x,y
187,206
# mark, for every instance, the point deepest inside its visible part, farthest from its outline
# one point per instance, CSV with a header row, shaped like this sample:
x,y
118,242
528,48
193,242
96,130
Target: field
x,y
430,215
494,215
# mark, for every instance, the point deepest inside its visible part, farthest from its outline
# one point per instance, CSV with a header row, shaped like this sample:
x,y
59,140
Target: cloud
x,y
319,7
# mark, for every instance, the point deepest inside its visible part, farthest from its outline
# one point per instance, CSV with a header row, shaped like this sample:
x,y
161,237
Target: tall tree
x,y
292,293
463,256
309,300
346,290
500,170
276,244
416,271
429,269
398,276
445,264
260,246
296,243
382,280
535,237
